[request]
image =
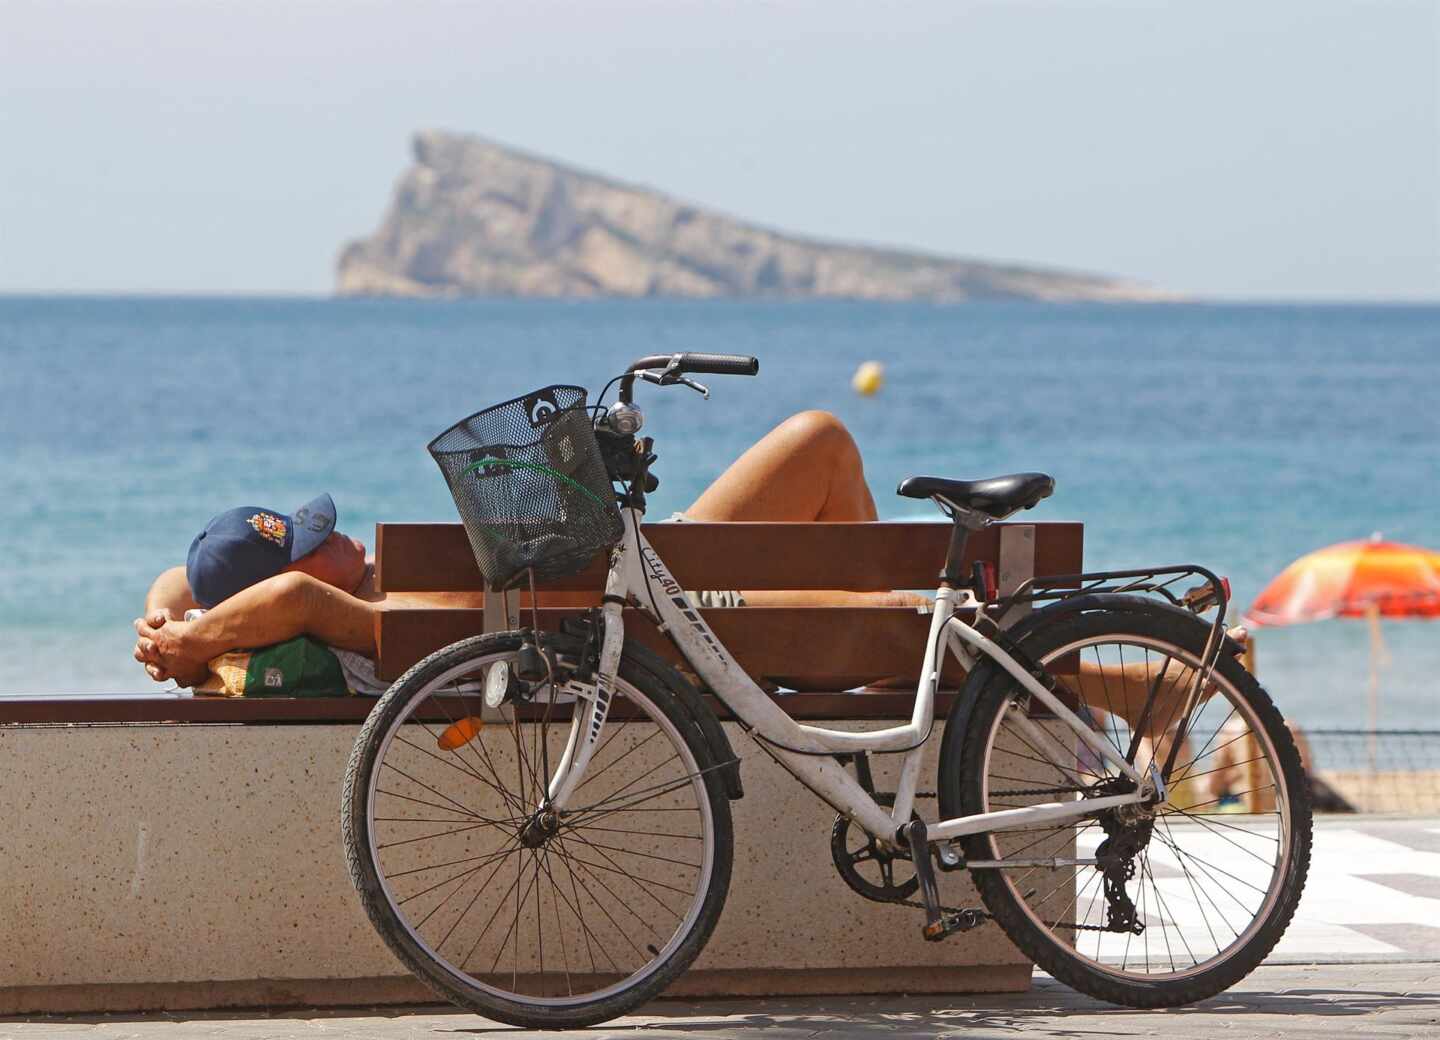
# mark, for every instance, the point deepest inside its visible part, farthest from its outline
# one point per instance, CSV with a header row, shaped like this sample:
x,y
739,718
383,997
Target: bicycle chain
x,y
947,909
990,917
917,905
1038,790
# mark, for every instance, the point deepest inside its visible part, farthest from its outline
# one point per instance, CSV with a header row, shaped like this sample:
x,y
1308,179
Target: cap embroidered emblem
x,y
270,527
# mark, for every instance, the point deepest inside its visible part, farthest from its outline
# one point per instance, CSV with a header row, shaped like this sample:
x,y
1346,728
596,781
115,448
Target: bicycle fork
x,y
592,706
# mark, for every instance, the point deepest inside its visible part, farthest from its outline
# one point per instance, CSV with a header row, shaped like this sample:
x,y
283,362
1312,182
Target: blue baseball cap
x,y
242,546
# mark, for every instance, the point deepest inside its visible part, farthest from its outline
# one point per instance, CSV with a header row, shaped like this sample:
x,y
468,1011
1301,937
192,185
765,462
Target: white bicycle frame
x,y
639,576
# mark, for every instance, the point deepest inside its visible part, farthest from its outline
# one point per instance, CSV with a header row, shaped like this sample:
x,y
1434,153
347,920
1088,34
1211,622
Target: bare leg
x,y
807,468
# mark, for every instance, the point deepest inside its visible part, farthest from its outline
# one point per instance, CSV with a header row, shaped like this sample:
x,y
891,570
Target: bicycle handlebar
x,y
673,366
711,364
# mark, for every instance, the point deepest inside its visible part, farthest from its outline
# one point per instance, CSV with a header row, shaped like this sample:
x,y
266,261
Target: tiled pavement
x,y
1379,1000
1373,893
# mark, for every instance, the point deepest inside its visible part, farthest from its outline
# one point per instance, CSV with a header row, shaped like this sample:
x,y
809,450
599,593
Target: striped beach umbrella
x,y
1370,579
1353,579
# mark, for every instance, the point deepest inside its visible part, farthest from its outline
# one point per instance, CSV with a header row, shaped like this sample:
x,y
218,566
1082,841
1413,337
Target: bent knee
x,y
821,429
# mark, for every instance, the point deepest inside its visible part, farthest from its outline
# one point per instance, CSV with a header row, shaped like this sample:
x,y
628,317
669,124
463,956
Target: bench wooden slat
x,y
837,647
860,556
814,707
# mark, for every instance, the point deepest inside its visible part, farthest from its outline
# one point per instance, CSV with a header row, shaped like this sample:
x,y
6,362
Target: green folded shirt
x,y
299,667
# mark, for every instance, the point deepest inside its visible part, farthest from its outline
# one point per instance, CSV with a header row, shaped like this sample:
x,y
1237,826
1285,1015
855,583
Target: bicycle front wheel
x,y
1146,906
536,918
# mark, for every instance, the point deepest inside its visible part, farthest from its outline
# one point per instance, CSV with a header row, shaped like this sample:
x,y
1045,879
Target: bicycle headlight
x,y
497,684
625,419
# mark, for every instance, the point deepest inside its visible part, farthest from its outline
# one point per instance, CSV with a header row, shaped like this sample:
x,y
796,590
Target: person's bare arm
x,y
833,598
271,611
170,595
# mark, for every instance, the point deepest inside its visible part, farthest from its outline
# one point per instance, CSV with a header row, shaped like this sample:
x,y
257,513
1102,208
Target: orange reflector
x,y
458,734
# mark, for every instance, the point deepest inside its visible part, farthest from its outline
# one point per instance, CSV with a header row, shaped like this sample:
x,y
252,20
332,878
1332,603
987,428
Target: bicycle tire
x,y
638,674
966,760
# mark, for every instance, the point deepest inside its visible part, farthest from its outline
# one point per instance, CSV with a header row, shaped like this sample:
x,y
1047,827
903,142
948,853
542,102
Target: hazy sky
x,y
1265,148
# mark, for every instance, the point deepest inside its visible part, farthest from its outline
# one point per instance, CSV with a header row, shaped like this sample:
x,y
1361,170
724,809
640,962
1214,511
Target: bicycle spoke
x,y
590,777
1224,919
458,806
629,876
436,805
1068,777
618,793
646,834
428,837
621,902
571,862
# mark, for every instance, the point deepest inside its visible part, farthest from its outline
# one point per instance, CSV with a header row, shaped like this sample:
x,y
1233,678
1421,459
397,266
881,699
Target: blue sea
x,y
1235,436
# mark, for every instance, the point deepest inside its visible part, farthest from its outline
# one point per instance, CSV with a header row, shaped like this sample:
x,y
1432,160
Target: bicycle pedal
x,y
949,924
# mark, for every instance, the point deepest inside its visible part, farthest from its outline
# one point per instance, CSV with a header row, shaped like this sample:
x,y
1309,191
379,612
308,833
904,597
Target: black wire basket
x,y
531,486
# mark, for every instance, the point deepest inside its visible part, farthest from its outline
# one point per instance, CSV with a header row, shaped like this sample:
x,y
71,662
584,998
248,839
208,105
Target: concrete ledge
x,y
403,990
195,996
169,867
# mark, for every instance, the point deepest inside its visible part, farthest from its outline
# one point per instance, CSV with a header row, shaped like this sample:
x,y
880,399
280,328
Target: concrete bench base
x,y
400,990
188,866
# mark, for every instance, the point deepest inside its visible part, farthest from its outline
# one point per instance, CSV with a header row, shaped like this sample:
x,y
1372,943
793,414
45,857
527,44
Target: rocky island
x,y
475,218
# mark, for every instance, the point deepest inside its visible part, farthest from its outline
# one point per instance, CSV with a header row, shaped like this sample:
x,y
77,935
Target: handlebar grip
x,y
712,364
720,364
674,365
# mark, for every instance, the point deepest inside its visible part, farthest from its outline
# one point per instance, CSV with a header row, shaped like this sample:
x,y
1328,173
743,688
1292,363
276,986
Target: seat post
x,y
963,522
952,575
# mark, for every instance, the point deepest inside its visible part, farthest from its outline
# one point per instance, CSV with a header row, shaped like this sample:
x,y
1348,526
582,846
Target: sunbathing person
x,y
257,592
260,591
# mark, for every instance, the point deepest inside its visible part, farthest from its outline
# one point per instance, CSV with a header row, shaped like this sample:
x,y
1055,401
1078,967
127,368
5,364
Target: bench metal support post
x,y
502,611
1016,565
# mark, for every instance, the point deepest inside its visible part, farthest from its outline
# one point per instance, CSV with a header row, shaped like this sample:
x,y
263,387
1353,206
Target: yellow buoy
x,y
868,378
458,734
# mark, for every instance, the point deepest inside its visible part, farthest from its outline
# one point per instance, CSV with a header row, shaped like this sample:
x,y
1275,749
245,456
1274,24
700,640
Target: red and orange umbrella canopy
x,y
1353,579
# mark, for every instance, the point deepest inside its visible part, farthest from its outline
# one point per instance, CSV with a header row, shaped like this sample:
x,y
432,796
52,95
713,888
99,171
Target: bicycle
x,y
538,824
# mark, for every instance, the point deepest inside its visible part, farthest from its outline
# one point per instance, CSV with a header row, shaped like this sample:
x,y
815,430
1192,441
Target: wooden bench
x,y
816,649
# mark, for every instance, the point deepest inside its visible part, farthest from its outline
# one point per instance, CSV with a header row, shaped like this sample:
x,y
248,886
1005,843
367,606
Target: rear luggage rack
x,y
1159,581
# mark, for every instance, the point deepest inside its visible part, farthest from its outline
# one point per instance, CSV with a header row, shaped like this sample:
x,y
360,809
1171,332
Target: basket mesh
x,y
530,484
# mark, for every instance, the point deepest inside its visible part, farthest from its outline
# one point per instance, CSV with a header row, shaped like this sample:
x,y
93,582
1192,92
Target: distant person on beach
x,y
255,577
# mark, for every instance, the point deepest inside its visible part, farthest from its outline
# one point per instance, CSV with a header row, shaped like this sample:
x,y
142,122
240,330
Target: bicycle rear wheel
x,y
1143,906
544,921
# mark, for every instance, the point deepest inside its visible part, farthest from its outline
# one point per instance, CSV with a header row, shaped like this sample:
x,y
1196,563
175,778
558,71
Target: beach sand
x,y
1412,792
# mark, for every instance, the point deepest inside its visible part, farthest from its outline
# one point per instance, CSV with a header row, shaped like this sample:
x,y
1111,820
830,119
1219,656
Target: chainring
x,y
881,861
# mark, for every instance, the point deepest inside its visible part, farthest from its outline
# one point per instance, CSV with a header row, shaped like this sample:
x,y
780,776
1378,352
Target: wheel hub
x,y
539,829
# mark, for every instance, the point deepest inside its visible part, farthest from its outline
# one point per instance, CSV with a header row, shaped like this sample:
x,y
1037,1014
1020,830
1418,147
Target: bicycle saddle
x,y
994,496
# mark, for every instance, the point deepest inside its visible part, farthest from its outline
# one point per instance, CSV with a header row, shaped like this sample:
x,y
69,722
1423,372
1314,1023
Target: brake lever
x,y
670,378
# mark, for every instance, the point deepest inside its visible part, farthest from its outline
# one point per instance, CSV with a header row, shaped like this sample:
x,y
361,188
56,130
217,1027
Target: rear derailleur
x,y
1127,833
